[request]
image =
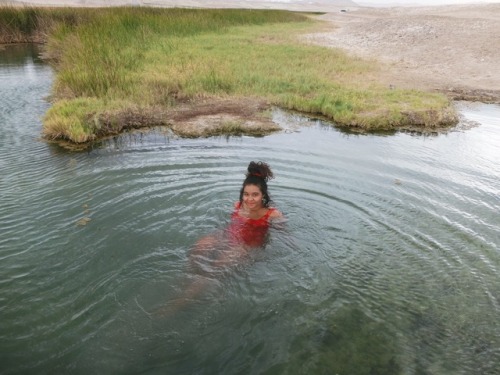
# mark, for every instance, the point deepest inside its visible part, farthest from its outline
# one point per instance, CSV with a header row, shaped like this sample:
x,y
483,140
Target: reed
x,y
105,56
113,59
33,25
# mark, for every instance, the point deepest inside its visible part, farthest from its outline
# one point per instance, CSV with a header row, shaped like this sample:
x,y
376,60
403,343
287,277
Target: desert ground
x,y
454,49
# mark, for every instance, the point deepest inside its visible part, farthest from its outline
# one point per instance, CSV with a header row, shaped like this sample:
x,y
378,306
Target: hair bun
x,y
260,169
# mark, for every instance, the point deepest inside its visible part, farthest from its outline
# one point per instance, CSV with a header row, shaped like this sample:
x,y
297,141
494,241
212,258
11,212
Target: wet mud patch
x,y
223,117
473,95
192,119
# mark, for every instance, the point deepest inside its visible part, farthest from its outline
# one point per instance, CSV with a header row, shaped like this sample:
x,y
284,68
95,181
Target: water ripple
x,y
389,237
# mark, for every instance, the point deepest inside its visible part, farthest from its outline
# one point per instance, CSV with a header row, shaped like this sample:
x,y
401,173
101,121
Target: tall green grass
x,y
102,56
120,58
28,24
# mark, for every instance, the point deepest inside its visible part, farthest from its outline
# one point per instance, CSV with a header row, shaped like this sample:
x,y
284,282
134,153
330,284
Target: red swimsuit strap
x,y
260,220
263,219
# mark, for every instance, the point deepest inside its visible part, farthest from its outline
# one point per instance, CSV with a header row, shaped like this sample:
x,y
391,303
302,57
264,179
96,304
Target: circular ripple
x,y
395,238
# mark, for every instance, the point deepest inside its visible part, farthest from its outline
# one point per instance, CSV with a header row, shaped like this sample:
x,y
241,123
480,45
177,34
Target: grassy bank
x,y
128,67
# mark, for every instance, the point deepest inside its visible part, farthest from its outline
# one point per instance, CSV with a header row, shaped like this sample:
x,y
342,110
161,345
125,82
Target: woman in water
x,y
252,213
250,221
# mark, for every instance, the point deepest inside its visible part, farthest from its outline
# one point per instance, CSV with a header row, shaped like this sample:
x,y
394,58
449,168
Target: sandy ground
x,y
452,49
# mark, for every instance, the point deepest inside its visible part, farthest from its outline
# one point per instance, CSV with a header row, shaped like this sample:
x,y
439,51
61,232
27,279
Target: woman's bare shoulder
x,y
275,214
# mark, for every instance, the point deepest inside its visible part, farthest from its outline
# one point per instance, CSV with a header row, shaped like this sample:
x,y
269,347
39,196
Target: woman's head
x,y
258,173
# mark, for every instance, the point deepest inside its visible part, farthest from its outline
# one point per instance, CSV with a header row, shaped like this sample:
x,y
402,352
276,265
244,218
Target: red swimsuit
x,y
251,232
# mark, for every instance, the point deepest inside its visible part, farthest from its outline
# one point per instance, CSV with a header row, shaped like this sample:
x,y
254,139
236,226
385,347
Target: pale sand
x,y
453,49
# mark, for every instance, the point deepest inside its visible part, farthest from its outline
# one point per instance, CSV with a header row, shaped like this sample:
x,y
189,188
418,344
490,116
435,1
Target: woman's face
x,y
252,197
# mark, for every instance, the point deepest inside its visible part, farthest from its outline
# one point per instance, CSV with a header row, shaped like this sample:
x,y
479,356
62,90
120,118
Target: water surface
x,y
388,263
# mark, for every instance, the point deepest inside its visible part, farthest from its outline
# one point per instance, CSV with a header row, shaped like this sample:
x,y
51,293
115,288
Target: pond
x,y
388,263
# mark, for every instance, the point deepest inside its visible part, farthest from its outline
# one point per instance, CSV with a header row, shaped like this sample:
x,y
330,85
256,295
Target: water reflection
x,y
20,55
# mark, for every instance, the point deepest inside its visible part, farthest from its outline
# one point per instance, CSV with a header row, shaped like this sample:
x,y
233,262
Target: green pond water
x,y
388,263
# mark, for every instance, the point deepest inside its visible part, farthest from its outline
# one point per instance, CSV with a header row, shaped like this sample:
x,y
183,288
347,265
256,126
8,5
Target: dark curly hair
x,y
258,173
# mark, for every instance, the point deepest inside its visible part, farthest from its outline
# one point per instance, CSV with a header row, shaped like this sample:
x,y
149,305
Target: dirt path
x,y
451,49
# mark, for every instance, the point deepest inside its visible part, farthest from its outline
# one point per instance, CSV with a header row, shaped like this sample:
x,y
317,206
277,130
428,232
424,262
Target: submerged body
x,y
216,253
249,221
230,246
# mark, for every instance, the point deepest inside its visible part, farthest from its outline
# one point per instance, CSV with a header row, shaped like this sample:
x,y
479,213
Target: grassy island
x,y
204,72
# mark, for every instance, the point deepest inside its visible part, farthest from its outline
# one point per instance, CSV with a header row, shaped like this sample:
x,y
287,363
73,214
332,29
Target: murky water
x,y
388,264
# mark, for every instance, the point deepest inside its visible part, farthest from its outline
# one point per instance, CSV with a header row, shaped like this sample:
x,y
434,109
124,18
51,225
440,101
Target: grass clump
x,y
34,25
74,120
115,61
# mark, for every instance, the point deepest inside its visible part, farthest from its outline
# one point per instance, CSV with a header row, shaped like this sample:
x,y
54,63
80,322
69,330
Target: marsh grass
x,y
33,25
151,57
